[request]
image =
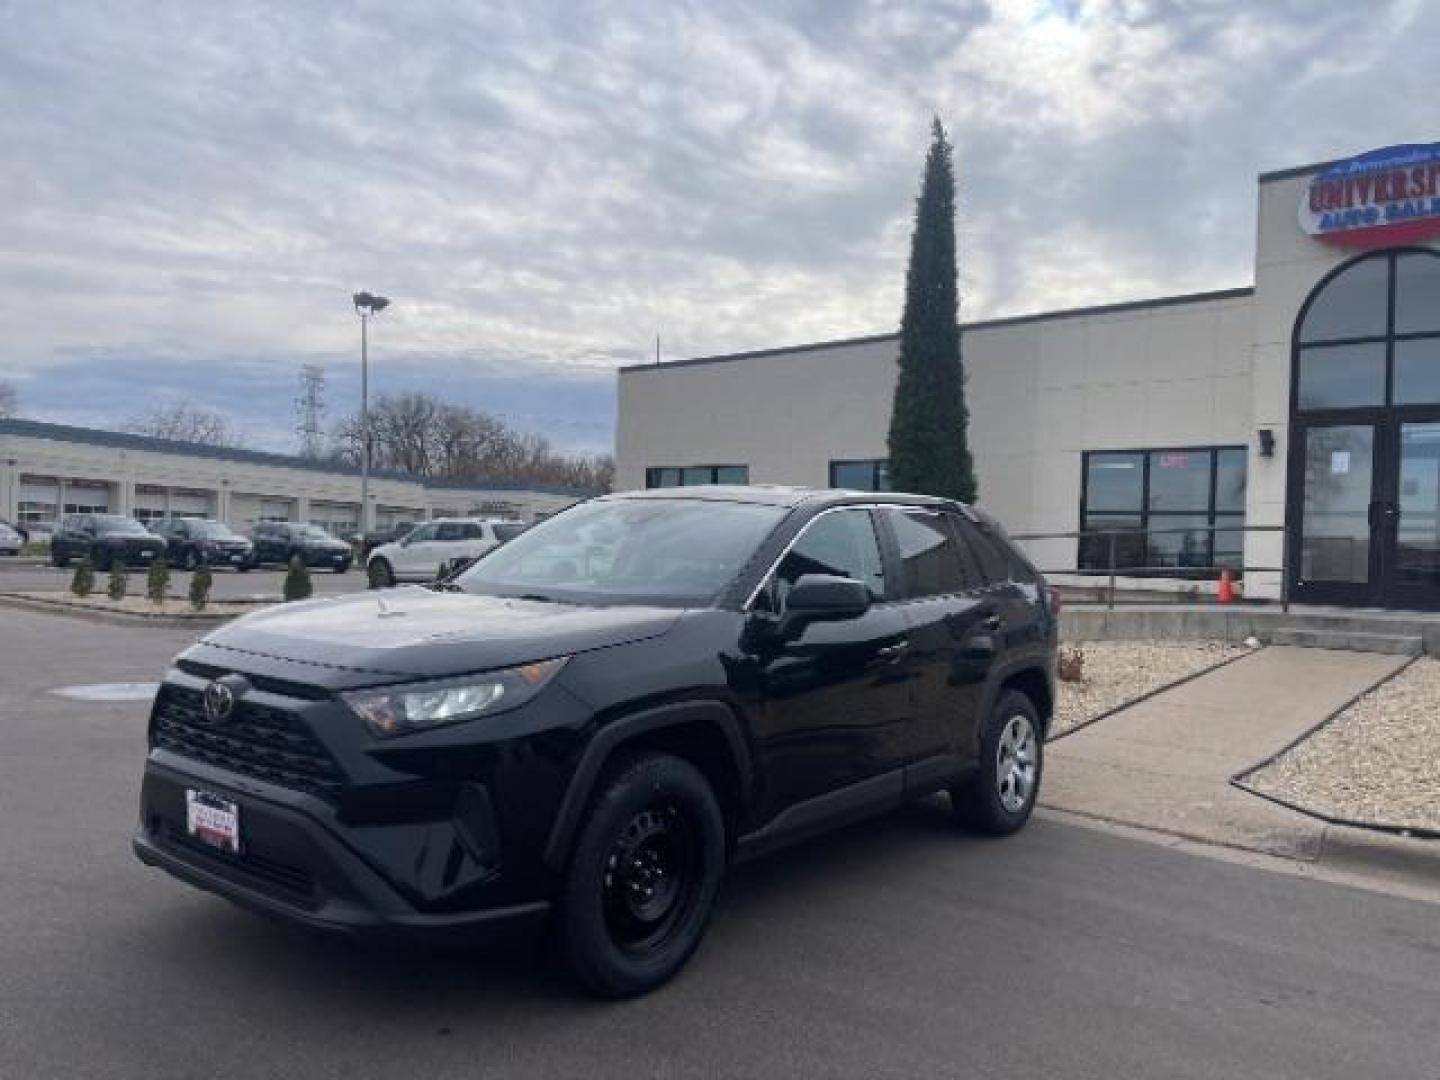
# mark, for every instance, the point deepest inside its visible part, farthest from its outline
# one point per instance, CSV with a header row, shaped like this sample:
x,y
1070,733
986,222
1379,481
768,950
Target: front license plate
x,y
237,558
147,554
213,820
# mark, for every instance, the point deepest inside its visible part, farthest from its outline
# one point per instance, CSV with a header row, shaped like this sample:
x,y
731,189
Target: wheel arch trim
x,y
614,735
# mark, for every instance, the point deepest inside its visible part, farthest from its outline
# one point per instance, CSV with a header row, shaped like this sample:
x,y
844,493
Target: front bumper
x,y
293,866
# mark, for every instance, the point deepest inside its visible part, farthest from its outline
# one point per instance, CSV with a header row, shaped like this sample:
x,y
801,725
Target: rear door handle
x,y
891,654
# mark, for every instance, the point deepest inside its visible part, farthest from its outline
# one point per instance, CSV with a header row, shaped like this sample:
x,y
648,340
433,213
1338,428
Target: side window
x,y
841,543
931,557
997,562
421,535
451,531
472,532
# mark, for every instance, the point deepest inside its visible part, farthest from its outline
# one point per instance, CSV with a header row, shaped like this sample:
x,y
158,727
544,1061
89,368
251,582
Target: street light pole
x,y
366,304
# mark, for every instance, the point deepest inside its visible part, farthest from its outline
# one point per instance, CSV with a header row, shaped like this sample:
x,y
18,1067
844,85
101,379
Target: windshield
x,y
119,523
313,532
211,530
649,551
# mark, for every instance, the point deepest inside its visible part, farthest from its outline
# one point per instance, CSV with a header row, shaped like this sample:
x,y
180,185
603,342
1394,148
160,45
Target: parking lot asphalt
x,y
28,576
896,948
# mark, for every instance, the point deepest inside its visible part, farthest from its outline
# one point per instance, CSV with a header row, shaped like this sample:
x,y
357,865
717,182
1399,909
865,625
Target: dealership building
x,y
1290,427
50,469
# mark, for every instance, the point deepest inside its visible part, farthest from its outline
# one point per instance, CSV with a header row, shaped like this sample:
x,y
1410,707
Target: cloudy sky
x,y
192,191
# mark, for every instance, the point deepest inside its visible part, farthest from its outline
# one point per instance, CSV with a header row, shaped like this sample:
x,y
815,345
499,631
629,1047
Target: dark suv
x,y
282,541
588,733
193,541
105,539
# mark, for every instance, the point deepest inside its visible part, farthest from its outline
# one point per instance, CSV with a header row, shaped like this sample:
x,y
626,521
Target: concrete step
x,y
1348,640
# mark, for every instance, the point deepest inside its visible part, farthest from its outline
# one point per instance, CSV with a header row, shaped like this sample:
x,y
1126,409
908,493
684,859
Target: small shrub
x,y
200,583
1070,664
297,580
119,583
157,580
83,583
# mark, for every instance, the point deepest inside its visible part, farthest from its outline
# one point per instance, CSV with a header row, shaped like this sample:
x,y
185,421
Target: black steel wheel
x,y
643,876
190,561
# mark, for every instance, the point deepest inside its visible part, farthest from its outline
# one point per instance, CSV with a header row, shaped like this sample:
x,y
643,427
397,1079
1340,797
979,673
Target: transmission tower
x,y
310,409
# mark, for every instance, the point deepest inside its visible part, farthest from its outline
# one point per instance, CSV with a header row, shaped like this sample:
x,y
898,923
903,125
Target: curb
x,y
1153,693
1331,820
121,618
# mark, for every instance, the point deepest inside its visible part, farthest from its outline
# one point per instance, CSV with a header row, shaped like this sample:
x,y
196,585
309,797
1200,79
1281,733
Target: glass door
x,y
1335,557
1412,518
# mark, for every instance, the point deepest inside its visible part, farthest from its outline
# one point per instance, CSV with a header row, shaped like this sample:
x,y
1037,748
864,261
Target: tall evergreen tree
x,y
929,453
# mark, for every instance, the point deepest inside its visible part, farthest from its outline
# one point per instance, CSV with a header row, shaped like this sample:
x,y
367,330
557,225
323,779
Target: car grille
x,y
256,740
278,875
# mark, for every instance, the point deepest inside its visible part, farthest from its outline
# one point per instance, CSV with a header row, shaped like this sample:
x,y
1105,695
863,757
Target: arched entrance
x,y
1364,470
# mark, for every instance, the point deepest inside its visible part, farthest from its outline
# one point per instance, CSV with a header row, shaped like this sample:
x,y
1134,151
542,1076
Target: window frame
x,y
972,577
876,466
883,549
1392,258
1214,518
652,472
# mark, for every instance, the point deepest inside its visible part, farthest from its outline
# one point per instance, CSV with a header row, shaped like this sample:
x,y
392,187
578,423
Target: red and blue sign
x,y
1389,196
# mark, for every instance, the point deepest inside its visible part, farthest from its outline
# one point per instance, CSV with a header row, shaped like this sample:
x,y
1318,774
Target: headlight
x,y
417,706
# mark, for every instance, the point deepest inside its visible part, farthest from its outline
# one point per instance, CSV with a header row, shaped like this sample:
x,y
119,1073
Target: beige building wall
x,y
1040,389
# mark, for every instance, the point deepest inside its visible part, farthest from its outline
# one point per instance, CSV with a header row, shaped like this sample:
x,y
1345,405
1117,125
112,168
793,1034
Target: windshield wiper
x,y
539,598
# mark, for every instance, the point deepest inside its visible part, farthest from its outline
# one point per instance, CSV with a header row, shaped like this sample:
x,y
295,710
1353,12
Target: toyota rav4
x,y
584,729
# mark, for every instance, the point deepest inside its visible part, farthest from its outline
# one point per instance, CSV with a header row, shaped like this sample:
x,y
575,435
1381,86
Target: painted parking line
x,y
113,691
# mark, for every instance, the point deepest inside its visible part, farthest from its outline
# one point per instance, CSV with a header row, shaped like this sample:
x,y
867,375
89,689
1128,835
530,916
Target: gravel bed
x,y
1377,762
1116,672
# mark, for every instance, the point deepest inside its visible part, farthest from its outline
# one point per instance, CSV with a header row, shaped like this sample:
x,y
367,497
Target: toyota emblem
x,y
219,702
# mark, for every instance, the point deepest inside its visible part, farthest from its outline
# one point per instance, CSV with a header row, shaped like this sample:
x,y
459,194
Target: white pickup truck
x,y
426,549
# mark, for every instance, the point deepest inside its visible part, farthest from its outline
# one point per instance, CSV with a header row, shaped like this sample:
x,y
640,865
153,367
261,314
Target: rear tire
x,y
998,799
59,560
191,561
643,876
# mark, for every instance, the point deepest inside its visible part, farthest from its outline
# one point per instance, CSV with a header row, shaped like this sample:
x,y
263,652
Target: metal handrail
x,y
1111,571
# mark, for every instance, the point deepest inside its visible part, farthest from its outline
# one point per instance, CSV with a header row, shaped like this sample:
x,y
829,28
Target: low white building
x,y
1306,404
51,469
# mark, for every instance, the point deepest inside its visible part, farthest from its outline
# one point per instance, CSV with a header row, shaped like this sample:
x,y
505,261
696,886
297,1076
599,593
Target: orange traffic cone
x,y
1225,593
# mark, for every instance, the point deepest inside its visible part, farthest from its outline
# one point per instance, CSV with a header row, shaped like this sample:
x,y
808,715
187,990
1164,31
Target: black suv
x,y
193,541
590,733
282,541
106,539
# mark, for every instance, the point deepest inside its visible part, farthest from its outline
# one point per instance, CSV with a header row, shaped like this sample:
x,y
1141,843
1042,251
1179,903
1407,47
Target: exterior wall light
x,y
1267,442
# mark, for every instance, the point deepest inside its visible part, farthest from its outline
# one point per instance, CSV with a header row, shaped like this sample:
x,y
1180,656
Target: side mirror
x,y
823,598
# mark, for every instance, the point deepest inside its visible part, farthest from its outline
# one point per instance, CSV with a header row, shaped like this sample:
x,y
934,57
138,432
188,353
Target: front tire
x,y
643,877
381,574
191,561
998,799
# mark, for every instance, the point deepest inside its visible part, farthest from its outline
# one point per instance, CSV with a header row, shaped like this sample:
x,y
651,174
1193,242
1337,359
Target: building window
x,y
868,474
1371,336
1169,509
692,475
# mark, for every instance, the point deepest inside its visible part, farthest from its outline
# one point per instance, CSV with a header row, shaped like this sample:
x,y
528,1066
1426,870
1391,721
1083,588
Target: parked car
x,y
586,745
193,541
106,539
436,546
17,528
280,541
11,541
375,537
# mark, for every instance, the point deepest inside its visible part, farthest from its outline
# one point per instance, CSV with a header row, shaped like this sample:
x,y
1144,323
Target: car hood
x,y
414,632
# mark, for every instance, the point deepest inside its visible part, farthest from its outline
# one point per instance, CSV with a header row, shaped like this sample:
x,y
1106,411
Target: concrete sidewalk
x,y
1165,763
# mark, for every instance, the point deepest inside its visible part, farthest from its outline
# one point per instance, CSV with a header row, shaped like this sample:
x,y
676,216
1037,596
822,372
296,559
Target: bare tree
x,y
186,423
423,436
9,399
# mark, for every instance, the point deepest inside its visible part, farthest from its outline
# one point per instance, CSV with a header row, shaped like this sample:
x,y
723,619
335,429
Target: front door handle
x,y
891,654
